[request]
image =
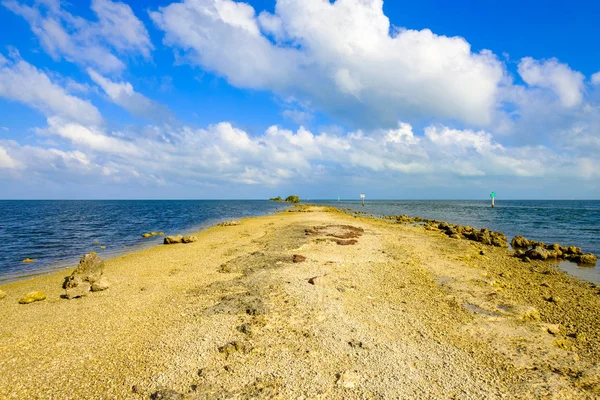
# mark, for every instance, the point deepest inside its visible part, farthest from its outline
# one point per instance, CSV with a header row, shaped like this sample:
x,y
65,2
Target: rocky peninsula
x,y
310,303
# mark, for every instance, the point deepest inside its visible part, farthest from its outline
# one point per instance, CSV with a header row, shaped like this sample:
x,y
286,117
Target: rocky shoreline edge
x,y
524,248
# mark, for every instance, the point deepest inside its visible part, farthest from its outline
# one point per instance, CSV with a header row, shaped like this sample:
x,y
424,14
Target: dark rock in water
x,y
588,259
88,272
297,258
166,394
519,242
173,239
538,253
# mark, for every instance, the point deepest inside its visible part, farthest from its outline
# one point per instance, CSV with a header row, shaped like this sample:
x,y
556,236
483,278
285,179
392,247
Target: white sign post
x,y
362,196
493,196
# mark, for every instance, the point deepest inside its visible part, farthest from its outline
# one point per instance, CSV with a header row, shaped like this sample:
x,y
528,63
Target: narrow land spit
x,y
308,305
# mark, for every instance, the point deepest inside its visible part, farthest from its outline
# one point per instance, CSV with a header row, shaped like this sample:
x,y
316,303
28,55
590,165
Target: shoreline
x,y
108,254
370,302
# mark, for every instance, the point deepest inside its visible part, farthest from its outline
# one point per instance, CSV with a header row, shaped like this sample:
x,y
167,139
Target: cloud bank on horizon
x,y
404,109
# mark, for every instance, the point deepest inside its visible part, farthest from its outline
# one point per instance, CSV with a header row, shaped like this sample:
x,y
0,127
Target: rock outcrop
x,y
2,294
86,277
542,251
32,297
484,236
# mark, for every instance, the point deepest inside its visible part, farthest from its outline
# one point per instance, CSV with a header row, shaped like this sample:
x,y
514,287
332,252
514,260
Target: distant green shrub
x,y
292,199
278,198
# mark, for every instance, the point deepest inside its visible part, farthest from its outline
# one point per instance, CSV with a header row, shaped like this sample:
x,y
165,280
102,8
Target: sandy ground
x,y
391,312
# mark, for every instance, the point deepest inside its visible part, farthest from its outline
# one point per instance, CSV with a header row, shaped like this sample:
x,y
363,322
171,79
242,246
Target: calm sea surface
x,y
567,222
58,233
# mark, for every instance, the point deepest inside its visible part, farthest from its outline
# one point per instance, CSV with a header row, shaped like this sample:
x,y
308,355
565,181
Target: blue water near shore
x,y
57,233
568,222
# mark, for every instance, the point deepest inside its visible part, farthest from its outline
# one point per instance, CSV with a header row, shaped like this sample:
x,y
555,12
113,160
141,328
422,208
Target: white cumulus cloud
x,y
82,41
339,56
22,82
567,84
123,94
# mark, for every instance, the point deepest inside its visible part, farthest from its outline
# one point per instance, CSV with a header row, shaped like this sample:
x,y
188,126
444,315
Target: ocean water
x,y
568,222
57,233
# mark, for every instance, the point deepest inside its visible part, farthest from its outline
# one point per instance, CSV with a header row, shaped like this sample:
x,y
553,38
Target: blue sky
x,y
224,99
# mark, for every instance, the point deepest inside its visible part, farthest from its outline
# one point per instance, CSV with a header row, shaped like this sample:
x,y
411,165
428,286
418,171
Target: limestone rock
x,y
538,253
173,239
28,260
100,285
519,242
166,394
90,268
2,294
588,259
189,239
76,287
88,272
33,297
146,235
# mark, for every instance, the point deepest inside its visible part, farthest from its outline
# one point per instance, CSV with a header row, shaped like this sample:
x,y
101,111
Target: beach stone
x,y
146,235
173,239
189,239
588,259
76,287
100,285
90,268
519,242
2,294
166,394
28,260
89,271
297,258
538,253
32,297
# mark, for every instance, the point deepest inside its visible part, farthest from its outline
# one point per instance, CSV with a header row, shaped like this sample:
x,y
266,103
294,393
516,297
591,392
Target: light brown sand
x,y
403,313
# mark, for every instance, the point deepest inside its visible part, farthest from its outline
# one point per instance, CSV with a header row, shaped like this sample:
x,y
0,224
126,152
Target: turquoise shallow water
x,y
568,222
58,233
